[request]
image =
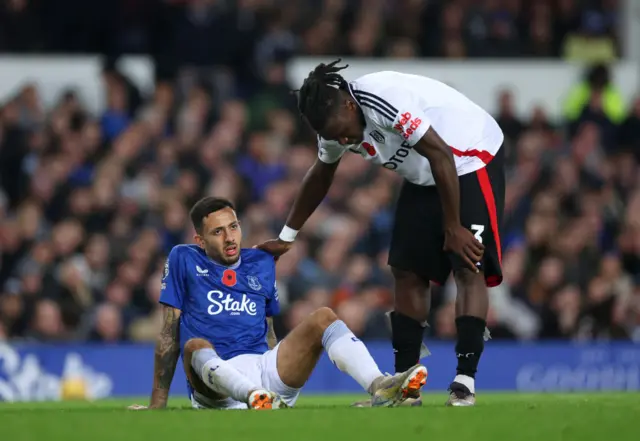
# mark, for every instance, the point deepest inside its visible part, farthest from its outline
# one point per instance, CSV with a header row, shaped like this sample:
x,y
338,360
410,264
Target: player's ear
x,y
350,104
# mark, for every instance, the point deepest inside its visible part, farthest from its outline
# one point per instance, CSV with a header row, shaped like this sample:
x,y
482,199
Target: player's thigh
x,y
417,238
272,381
300,350
496,175
204,398
481,210
249,365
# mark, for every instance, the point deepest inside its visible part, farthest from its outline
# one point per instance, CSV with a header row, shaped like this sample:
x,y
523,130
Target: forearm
x,y
272,340
446,177
443,167
167,351
315,187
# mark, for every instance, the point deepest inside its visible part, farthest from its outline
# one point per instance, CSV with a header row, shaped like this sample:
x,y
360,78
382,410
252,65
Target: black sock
x,y
406,339
470,344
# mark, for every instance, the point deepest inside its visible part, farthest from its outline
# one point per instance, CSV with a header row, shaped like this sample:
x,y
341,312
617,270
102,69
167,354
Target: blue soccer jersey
x,y
226,305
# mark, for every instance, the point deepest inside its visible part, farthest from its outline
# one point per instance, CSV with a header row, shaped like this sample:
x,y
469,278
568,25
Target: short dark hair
x,y
204,207
320,93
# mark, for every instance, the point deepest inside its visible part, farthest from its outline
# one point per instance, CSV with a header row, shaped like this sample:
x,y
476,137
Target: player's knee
x,y
400,274
466,278
415,310
411,294
409,281
323,317
195,344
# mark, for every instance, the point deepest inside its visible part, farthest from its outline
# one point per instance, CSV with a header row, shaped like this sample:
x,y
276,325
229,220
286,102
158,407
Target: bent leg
x,y
214,373
482,205
473,296
299,352
415,257
193,377
408,320
470,323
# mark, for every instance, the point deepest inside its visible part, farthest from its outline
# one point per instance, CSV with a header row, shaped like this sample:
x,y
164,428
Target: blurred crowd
x,y
205,32
90,205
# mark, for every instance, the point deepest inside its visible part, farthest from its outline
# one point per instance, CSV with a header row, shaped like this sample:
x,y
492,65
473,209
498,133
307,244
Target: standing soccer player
x,y
219,300
448,215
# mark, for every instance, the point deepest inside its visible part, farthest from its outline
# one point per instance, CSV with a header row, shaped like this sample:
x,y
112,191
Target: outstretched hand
x,y
149,407
275,247
463,243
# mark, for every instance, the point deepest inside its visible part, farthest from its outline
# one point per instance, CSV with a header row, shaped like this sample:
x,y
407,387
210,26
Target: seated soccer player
x,y
219,300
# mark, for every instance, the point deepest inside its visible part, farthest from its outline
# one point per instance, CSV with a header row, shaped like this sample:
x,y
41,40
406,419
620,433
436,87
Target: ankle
x,y
375,384
466,380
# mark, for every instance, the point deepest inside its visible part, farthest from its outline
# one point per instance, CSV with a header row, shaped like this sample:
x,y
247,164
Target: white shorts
x,y
262,370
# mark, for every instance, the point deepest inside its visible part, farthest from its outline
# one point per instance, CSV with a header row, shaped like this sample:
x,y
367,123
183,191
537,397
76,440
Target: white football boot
x,y
460,396
390,391
262,399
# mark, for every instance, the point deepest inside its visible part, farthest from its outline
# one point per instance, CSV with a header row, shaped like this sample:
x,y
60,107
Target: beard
x,y
218,255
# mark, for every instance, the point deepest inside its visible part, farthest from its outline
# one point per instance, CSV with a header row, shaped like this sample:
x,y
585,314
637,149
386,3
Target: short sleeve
x,y
173,288
408,108
330,152
273,302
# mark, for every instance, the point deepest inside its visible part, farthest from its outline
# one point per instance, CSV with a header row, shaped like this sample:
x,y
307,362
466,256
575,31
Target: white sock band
x,y
220,376
349,354
466,381
288,234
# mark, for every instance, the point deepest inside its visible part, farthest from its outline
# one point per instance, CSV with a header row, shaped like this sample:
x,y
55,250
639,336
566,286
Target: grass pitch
x,y
497,417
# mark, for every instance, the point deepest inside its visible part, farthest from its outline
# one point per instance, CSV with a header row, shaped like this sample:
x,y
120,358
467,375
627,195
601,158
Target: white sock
x,y
466,380
349,354
220,376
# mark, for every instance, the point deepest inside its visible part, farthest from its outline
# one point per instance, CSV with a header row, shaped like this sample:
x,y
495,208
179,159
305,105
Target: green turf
x,y
497,417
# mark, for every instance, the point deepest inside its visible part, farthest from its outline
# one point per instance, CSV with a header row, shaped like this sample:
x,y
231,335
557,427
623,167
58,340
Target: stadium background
x,y
115,116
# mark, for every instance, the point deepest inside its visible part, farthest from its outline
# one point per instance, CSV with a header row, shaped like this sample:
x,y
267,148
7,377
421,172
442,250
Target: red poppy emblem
x,y
369,148
229,277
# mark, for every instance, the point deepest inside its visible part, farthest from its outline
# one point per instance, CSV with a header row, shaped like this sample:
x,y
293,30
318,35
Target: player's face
x,y
345,126
221,236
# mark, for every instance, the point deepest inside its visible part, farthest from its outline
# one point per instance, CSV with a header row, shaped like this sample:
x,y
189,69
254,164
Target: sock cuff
x,y
467,381
469,320
200,357
404,321
335,330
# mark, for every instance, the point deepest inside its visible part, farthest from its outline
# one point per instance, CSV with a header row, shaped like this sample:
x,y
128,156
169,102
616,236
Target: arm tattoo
x,y
166,356
272,340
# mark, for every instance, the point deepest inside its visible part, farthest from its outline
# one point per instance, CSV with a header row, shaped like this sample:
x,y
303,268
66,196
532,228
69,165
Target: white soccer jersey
x,y
399,108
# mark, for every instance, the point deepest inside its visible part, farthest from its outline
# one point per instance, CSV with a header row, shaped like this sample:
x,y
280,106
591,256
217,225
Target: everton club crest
x,y
254,283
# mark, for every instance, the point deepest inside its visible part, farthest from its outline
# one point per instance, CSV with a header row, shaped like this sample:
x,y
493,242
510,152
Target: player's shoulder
x,y
378,81
393,85
380,94
178,258
255,255
185,251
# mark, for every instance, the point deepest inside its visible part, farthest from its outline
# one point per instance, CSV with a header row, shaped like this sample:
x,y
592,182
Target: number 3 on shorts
x,y
477,231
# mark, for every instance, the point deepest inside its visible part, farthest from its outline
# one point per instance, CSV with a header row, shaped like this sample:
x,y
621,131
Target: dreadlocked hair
x,y
319,93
